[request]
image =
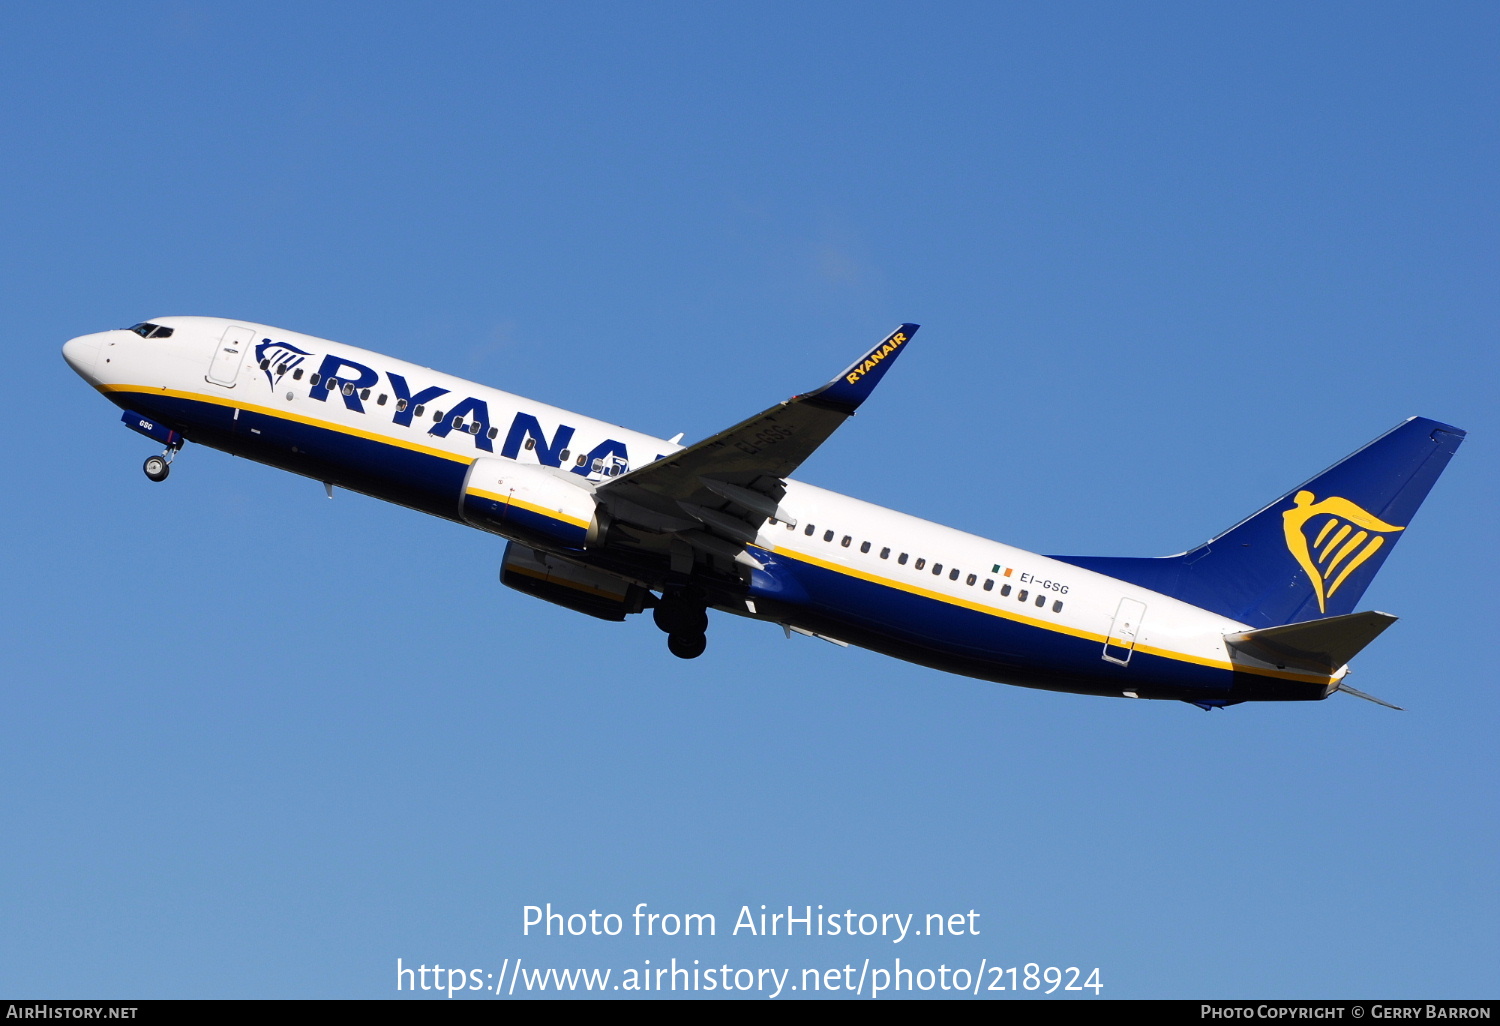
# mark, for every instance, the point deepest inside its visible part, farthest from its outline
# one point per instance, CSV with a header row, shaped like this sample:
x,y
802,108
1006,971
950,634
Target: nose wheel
x,y
158,467
685,621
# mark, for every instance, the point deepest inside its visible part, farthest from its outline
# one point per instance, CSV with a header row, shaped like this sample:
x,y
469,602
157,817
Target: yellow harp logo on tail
x,y
1345,537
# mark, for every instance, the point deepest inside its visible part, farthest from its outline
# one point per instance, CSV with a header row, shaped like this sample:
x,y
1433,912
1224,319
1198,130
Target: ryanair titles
x,y
872,361
345,379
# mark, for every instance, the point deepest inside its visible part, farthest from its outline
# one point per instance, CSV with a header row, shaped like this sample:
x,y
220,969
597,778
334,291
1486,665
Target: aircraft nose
x,y
82,353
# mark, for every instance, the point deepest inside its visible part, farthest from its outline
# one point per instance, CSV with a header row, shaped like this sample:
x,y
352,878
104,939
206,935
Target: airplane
x,y
611,522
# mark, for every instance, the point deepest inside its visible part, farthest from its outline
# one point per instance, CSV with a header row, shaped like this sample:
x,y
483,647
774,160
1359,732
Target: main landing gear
x,y
158,467
684,618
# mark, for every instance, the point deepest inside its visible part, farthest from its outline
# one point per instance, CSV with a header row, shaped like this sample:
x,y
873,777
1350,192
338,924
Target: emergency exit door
x,y
1124,631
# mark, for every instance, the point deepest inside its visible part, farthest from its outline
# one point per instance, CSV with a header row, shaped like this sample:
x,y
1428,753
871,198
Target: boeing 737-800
x,y
611,522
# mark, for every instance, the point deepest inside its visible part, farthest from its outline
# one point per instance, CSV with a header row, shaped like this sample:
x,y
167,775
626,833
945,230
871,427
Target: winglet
x,y
854,386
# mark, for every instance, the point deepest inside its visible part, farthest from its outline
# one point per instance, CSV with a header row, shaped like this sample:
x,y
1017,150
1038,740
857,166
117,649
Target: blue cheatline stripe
x,y
915,616
891,615
411,474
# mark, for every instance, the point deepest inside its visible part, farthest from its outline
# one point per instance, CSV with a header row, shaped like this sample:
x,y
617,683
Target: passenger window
x,y
473,427
846,541
265,364
1021,595
418,411
937,569
364,393
400,405
494,432
989,584
828,536
1005,589
921,563
530,443
280,369
297,374
437,415
348,388
953,575
330,384
885,553
791,527
381,400
864,546
901,559
312,379
970,581
1041,600
809,530
1057,607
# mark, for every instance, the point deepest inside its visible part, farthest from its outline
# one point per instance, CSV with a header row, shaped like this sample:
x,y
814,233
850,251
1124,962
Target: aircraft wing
x,y
715,494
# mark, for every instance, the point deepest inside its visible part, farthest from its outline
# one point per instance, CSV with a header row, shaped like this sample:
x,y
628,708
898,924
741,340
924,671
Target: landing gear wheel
x,y
157,468
687,646
679,616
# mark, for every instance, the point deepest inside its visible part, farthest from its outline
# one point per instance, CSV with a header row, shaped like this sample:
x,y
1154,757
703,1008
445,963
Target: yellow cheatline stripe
x,y
1056,628
282,414
541,510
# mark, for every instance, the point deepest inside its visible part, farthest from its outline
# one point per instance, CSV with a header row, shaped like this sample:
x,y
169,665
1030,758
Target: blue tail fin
x,y
1312,552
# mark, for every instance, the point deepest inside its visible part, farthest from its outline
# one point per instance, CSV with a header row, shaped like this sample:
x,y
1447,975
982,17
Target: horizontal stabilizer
x,y
1318,646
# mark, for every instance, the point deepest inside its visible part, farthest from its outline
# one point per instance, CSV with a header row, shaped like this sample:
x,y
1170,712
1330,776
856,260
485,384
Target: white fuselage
x,y
848,570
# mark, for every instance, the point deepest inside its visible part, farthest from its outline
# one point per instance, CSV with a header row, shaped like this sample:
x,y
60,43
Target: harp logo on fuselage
x,y
1331,539
278,358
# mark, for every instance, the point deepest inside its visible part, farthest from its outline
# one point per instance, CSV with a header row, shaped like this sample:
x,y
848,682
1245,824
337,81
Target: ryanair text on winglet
x,y
869,363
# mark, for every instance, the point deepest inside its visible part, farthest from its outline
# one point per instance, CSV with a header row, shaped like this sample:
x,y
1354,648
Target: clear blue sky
x,y
1170,259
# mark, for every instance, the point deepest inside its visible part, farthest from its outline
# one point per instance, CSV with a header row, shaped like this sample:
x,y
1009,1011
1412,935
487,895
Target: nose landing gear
x,y
156,467
684,618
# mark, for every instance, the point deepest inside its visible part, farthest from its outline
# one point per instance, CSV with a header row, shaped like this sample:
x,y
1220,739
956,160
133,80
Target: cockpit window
x,y
148,330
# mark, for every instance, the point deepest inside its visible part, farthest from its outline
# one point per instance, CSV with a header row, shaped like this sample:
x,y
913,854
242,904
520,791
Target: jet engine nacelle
x,y
532,504
575,587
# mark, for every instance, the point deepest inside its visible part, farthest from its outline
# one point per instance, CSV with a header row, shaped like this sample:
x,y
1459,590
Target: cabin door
x,y
229,355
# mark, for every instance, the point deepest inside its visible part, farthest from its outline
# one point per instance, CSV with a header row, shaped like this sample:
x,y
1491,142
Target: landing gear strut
x,y
684,619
